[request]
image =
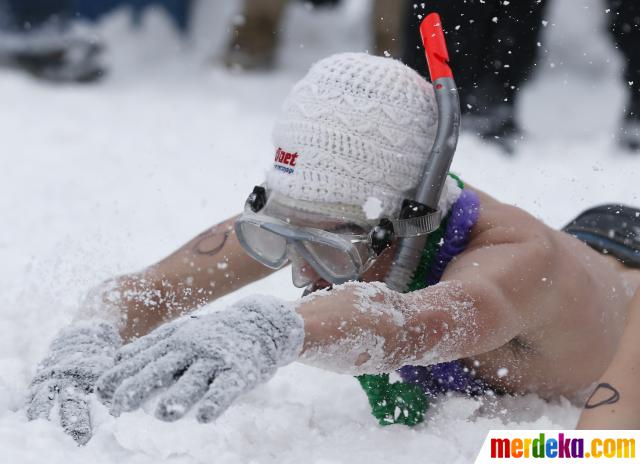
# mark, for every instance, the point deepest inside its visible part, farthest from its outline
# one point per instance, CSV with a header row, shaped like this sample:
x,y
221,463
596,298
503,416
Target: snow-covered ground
x,y
105,179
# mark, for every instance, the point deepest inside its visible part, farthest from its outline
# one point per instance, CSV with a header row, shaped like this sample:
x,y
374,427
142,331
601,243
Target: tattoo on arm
x,y
614,396
211,241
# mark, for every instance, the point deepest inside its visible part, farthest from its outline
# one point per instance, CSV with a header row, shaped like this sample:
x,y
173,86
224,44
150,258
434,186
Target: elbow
x,y
457,320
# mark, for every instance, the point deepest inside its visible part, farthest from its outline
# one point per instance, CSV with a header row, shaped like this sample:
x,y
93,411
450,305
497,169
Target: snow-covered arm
x,y
208,361
209,266
483,302
204,269
366,328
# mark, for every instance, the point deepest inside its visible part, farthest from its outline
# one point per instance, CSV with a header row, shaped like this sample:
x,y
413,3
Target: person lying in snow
x,y
518,308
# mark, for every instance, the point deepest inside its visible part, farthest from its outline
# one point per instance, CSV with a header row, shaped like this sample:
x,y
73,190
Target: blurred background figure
x,y
39,36
493,45
36,36
493,48
625,27
255,31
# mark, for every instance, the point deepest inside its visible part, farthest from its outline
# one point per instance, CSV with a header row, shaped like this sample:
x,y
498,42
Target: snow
x,y
105,179
372,208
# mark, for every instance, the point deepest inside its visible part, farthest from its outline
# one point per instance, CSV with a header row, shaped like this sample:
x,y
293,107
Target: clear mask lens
x,y
269,247
337,263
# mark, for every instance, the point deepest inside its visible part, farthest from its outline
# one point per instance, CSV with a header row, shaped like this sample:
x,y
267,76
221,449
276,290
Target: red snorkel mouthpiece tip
x,y
435,47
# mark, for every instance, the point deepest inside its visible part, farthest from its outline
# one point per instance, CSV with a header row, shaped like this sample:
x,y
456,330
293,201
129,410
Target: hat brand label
x,y
285,161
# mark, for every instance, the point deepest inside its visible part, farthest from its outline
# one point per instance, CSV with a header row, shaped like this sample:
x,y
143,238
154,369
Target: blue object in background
x,y
179,10
27,14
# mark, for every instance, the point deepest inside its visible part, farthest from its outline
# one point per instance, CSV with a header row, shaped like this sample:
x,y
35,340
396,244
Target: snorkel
x,y
409,249
421,258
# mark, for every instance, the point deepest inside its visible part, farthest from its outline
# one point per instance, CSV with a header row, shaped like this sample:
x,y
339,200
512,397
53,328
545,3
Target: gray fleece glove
x,y
212,359
77,357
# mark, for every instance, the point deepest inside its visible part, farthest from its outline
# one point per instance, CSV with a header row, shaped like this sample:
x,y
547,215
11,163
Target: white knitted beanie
x,y
356,129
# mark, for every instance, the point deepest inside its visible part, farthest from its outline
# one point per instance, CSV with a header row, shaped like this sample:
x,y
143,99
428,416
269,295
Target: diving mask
x,y
338,251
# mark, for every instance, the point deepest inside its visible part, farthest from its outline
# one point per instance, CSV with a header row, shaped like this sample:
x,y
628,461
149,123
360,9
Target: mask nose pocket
x,y
302,273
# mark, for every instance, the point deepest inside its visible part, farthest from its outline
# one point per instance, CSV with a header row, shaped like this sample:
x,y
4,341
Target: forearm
x,y
366,328
340,337
211,265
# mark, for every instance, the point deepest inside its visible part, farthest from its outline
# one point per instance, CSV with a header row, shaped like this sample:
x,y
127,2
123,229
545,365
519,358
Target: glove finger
x,y
186,392
141,344
158,374
74,414
42,398
109,382
224,389
78,349
99,334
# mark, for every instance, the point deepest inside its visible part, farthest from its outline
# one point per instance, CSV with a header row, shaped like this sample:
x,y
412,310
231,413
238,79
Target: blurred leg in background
x,y
255,31
35,36
625,27
387,23
493,48
254,40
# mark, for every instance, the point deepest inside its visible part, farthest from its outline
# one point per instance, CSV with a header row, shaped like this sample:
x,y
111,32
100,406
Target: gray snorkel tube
x,y
409,249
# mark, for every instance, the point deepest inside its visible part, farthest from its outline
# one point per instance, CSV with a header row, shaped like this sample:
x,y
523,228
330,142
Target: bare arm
x,y
615,401
209,266
363,329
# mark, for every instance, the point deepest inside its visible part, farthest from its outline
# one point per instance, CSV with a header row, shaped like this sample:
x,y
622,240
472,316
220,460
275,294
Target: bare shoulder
x,y
500,223
509,252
